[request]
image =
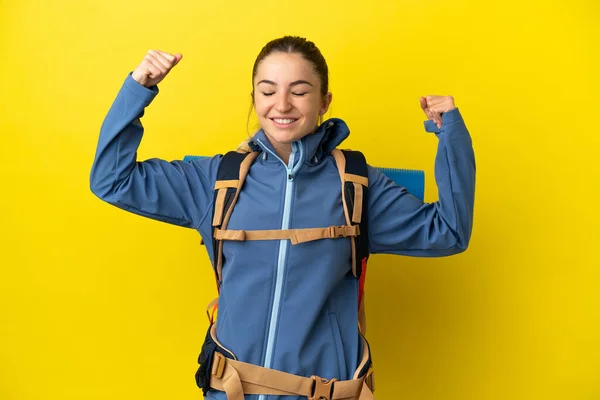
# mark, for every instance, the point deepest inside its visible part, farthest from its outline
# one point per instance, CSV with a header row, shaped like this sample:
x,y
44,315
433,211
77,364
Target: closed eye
x,y
295,94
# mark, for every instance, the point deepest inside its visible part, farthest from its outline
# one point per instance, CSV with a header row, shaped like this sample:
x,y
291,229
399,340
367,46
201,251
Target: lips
x,y
284,122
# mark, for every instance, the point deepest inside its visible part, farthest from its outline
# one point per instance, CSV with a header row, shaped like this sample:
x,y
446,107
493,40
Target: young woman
x,y
287,320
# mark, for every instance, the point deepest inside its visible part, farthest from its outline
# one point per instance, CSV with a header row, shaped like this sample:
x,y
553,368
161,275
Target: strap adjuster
x,y
322,388
218,365
338,231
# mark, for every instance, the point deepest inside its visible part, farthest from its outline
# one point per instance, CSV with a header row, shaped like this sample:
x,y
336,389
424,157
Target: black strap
x,y
356,164
229,169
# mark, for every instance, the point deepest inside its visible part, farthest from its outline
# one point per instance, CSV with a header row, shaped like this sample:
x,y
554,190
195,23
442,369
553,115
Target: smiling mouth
x,y
284,121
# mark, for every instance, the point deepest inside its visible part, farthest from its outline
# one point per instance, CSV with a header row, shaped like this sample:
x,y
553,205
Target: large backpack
x,y
352,166
219,368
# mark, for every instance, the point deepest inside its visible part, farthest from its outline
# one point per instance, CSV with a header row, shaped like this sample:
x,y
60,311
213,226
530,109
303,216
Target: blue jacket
x,y
291,308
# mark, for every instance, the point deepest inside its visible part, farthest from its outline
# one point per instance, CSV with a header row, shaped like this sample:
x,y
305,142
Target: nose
x,y
283,104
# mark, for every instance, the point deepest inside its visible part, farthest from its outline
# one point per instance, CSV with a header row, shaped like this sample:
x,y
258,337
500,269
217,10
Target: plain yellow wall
x,y
96,303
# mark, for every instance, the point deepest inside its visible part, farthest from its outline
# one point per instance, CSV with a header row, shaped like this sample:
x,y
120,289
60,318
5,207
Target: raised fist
x,y
154,67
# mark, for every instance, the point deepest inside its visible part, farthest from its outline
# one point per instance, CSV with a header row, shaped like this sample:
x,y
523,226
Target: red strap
x,y
212,314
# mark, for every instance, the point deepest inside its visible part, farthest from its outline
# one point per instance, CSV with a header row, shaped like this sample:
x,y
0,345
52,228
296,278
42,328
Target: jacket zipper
x,y
283,246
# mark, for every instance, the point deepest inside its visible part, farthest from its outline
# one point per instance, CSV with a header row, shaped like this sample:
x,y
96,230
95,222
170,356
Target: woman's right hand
x,y
154,67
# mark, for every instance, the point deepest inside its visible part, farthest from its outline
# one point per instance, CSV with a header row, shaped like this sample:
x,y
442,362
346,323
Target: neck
x,y
283,151
285,155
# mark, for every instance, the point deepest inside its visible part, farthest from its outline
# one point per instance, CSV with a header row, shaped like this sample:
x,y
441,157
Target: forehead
x,y
284,67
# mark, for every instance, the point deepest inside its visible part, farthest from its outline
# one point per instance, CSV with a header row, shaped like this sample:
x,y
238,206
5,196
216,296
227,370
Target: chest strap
x,y
296,236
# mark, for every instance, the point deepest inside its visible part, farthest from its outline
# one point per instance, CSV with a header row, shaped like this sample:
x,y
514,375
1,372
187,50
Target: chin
x,y
284,137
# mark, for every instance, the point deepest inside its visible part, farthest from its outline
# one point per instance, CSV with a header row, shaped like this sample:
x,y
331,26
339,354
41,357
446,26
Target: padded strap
x,y
219,207
296,236
354,173
340,161
243,172
358,203
356,192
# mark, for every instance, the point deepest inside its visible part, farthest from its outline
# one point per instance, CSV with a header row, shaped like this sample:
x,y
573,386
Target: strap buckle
x,y
218,365
322,388
337,232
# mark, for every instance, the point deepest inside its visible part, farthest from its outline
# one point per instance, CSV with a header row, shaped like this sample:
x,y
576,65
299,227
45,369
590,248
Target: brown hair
x,y
298,45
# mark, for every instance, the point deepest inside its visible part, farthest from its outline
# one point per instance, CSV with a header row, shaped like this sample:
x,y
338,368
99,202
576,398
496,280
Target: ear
x,y
326,102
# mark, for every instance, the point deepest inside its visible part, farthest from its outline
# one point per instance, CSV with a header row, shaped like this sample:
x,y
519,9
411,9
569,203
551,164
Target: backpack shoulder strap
x,y
354,175
231,174
352,166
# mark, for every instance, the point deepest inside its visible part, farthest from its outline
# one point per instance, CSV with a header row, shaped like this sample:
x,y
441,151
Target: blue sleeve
x,y
176,192
399,223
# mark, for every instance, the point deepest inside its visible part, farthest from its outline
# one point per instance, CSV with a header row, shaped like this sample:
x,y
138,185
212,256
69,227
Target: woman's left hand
x,y
435,106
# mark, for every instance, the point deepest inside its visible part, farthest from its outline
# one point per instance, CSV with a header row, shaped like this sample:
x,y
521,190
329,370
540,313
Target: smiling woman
x,y
289,103
290,91
290,257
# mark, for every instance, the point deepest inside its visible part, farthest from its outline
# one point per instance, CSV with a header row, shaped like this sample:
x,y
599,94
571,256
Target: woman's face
x,y
287,98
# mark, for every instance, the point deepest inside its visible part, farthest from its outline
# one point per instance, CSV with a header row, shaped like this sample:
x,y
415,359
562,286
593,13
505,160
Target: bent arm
x,y
175,192
399,223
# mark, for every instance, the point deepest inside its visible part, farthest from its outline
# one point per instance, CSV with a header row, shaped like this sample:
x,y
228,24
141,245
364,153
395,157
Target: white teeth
x,y
284,121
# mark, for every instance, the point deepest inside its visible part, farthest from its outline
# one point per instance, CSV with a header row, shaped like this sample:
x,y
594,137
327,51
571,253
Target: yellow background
x,y
96,303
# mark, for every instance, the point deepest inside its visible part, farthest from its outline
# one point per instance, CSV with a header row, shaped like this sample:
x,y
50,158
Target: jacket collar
x,y
312,148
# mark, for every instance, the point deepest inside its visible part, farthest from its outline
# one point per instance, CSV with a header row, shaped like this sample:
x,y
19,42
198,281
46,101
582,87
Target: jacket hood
x,y
312,147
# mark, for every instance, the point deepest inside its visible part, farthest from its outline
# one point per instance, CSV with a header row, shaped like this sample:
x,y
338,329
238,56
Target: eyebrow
x,y
298,82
